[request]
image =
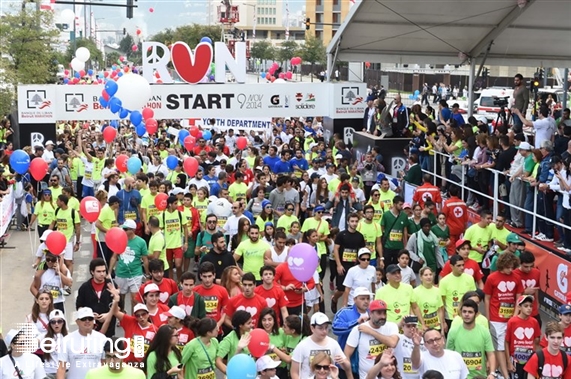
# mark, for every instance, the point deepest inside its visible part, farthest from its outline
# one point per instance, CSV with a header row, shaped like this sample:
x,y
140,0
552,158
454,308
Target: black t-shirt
x,y
220,261
560,144
349,245
505,158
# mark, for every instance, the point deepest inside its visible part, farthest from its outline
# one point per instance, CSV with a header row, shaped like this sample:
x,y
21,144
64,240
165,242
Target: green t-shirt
x,y
157,243
397,225
74,204
278,340
429,301
129,263
199,359
442,234
144,191
228,346
494,263
56,192
379,210
398,300
322,227
386,199
528,164
107,219
472,346
103,372
500,234
148,204
65,221
480,320
285,221
201,207
152,359
170,223
453,288
44,212
237,190
253,255
98,165
478,236
371,231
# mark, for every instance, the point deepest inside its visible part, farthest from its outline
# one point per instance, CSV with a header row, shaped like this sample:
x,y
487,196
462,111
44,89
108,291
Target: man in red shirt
x,y
471,267
427,191
246,301
565,323
274,295
293,288
529,277
456,212
167,287
215,296
201,146
553,361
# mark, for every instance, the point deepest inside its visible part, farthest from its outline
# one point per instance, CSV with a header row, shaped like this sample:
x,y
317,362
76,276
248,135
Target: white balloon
x,y
134,91
77,65
279,80
68,17
82,54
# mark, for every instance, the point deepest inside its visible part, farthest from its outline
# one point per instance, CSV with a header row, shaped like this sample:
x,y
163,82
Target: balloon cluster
x,y
77,64
282,76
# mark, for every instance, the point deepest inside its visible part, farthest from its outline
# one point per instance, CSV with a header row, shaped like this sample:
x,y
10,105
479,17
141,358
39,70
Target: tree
x,y
96,56
313,52
111,58
259,50
288,50
191,34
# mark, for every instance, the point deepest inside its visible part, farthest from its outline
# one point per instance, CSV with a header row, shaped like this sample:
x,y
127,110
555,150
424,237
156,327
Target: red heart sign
x,y
191,67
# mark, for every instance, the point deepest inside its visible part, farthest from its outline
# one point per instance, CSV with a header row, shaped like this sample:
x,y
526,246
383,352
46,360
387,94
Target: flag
x,y
287,22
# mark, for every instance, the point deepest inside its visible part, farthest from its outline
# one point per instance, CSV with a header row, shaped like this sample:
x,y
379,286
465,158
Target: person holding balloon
x,y
55,275
269,323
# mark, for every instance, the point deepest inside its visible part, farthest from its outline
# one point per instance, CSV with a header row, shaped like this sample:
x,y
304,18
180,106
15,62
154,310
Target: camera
x,y
368,167
501,101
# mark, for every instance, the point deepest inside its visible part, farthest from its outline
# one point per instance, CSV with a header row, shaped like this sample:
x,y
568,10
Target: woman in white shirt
x,y
323,367
18,364
42,307
361,275
57,329
561,183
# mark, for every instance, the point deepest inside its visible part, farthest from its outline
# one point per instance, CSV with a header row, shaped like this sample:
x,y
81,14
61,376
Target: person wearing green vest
x,y
322,227
199,355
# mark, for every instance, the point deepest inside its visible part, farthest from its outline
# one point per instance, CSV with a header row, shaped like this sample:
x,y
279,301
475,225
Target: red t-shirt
x,y
133,329
167,287
427,192
253,305
503,291
456,212
215,299
565,344
552,366
284,278
275,297
528,280
185,335
520,335
98,287
159,318
471,268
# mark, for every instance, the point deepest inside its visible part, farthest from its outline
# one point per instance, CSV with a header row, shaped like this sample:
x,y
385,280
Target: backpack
x,y
72,217
541,361
106,185
179,218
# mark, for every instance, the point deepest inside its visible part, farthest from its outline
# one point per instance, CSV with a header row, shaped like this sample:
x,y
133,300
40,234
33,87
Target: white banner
x,y
48,103
7,208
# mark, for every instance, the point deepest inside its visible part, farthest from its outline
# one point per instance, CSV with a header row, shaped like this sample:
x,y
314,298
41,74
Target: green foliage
x,y
313,51
111,58
191,34
288,50
96,56
263,50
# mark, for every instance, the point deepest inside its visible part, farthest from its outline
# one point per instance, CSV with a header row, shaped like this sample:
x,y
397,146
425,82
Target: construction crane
x,y
228,15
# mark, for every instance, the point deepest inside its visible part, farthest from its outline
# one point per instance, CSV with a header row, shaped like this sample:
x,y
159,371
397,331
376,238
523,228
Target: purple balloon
x,y
302,261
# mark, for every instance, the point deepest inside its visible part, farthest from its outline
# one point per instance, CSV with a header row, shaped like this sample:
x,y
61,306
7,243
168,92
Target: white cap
x,y
10,336
177,312
482,119
524,146
362,251
319,318
339,156
45,235
84,312
176,191
266,362
152,288
129,224
312,145
140,307
50,143
212,198
56,313
361,291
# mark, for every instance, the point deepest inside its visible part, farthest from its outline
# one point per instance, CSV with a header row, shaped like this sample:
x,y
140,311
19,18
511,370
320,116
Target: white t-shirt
x,y
279,258
231,226
29,365
52,365
407,274
451,365
403,352
359,277
544,130
368,347
199,183
88,173
82,353
307,349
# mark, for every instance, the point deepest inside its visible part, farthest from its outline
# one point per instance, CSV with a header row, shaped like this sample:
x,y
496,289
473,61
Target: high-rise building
x,y
326,17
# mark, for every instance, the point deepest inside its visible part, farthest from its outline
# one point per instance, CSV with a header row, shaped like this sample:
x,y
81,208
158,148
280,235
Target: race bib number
x,y
395,236
349,256
472,360
88,175
455,305
54,290
206,373
211,305
407,366
61,224
506,310
153,211
130,215
521,355
376,348
431,320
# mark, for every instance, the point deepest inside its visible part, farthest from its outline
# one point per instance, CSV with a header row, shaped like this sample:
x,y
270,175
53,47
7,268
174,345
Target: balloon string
x,y
302,314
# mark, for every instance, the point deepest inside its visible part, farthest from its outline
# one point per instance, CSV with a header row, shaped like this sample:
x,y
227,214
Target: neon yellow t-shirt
x,y
386,199
158,243
170,223
98,165
478,236
499,234
379,210
201,207
285,221
453,288
237,190
64,222
371,232
107,219
44,212
398,300
148,204
322,227
429,301
73,203
253,255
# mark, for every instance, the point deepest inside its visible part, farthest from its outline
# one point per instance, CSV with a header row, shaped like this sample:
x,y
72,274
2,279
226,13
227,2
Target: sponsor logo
x,y
305,102
279,101
74,102
37,99
351,96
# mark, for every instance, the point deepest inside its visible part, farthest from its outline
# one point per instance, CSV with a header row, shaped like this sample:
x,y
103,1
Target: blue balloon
x,y
20,161
65,80
206,39
141,130
102,101
136,117
111,87
114,123
416,93
263,75
120,74
207,135
76,75
241,366
172,162
100,75
123,113
183,134
134,165
115,104
90,72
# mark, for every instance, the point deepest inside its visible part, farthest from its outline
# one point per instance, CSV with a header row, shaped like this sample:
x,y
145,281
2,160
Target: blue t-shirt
x,y
215,188
282,167
459,119
128,205
446,113
301,163
271,161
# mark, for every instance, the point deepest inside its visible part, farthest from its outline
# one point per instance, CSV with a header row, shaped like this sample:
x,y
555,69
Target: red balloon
x,y
109,134
121,163
147,113
126,69
152,125
139,31
151,10
116,240
242,143
259,342
190,166
161,201
56,241
199,135
189,143
159,81
105,95
281,75
106,74
194,130
90,208
82,73
38,168
134,48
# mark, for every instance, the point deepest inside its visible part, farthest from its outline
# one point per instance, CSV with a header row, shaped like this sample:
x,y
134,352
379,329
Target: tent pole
x,y
329,66
471,87
565,88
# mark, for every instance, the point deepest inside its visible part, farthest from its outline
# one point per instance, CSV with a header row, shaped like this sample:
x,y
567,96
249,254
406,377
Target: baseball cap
x,y
140,307
524,298
177,312
265,203
129,224
460,243
266,362
514,238
50,142
312,145
377,305
176,191
46,192
565,309
314,176
328,165
391,269
406,205
45,235
361,291
113,200
482,119
56,313
362,251
355,179
339,156
524,146
410,320
151,288
84,312
319,318
10,336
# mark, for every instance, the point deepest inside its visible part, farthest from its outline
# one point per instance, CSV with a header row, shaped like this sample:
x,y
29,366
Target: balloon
x,y
241,366
120,74
105,95
56,242
134,165
183,134
121,163
263,75
152,125
116,240
289,75
161,201
259,342
82,54
106,74
111,88
115,104
241,143
65,80
206,39
134,48
90,208
151,10
134,91
77,65
148,113
281,75
141,129
66,72
194,130
302,261
139,32
189,142
103,102
109,134
293,61
20,161
123,113
367,64
299,60
172,162
136,117
67,16
82,73
114,123
207,135
90,72
38,169
190,166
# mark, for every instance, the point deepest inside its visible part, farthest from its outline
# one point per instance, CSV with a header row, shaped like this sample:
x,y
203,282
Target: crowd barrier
x,y
7,209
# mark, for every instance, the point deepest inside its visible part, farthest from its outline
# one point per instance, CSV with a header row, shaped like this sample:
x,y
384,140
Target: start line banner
x,y
51,103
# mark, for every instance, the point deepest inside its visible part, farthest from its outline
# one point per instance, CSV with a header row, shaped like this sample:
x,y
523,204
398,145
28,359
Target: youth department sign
x,y
239,101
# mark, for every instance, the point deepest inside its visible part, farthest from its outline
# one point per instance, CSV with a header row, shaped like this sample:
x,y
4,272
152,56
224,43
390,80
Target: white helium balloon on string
x,y
77,65
82,54
67,16
134,91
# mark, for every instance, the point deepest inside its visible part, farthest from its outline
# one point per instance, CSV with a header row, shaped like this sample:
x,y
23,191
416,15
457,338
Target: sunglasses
x,y
364,259
319,212
321,367
52,260
58,322
91,319
289,209
211,222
